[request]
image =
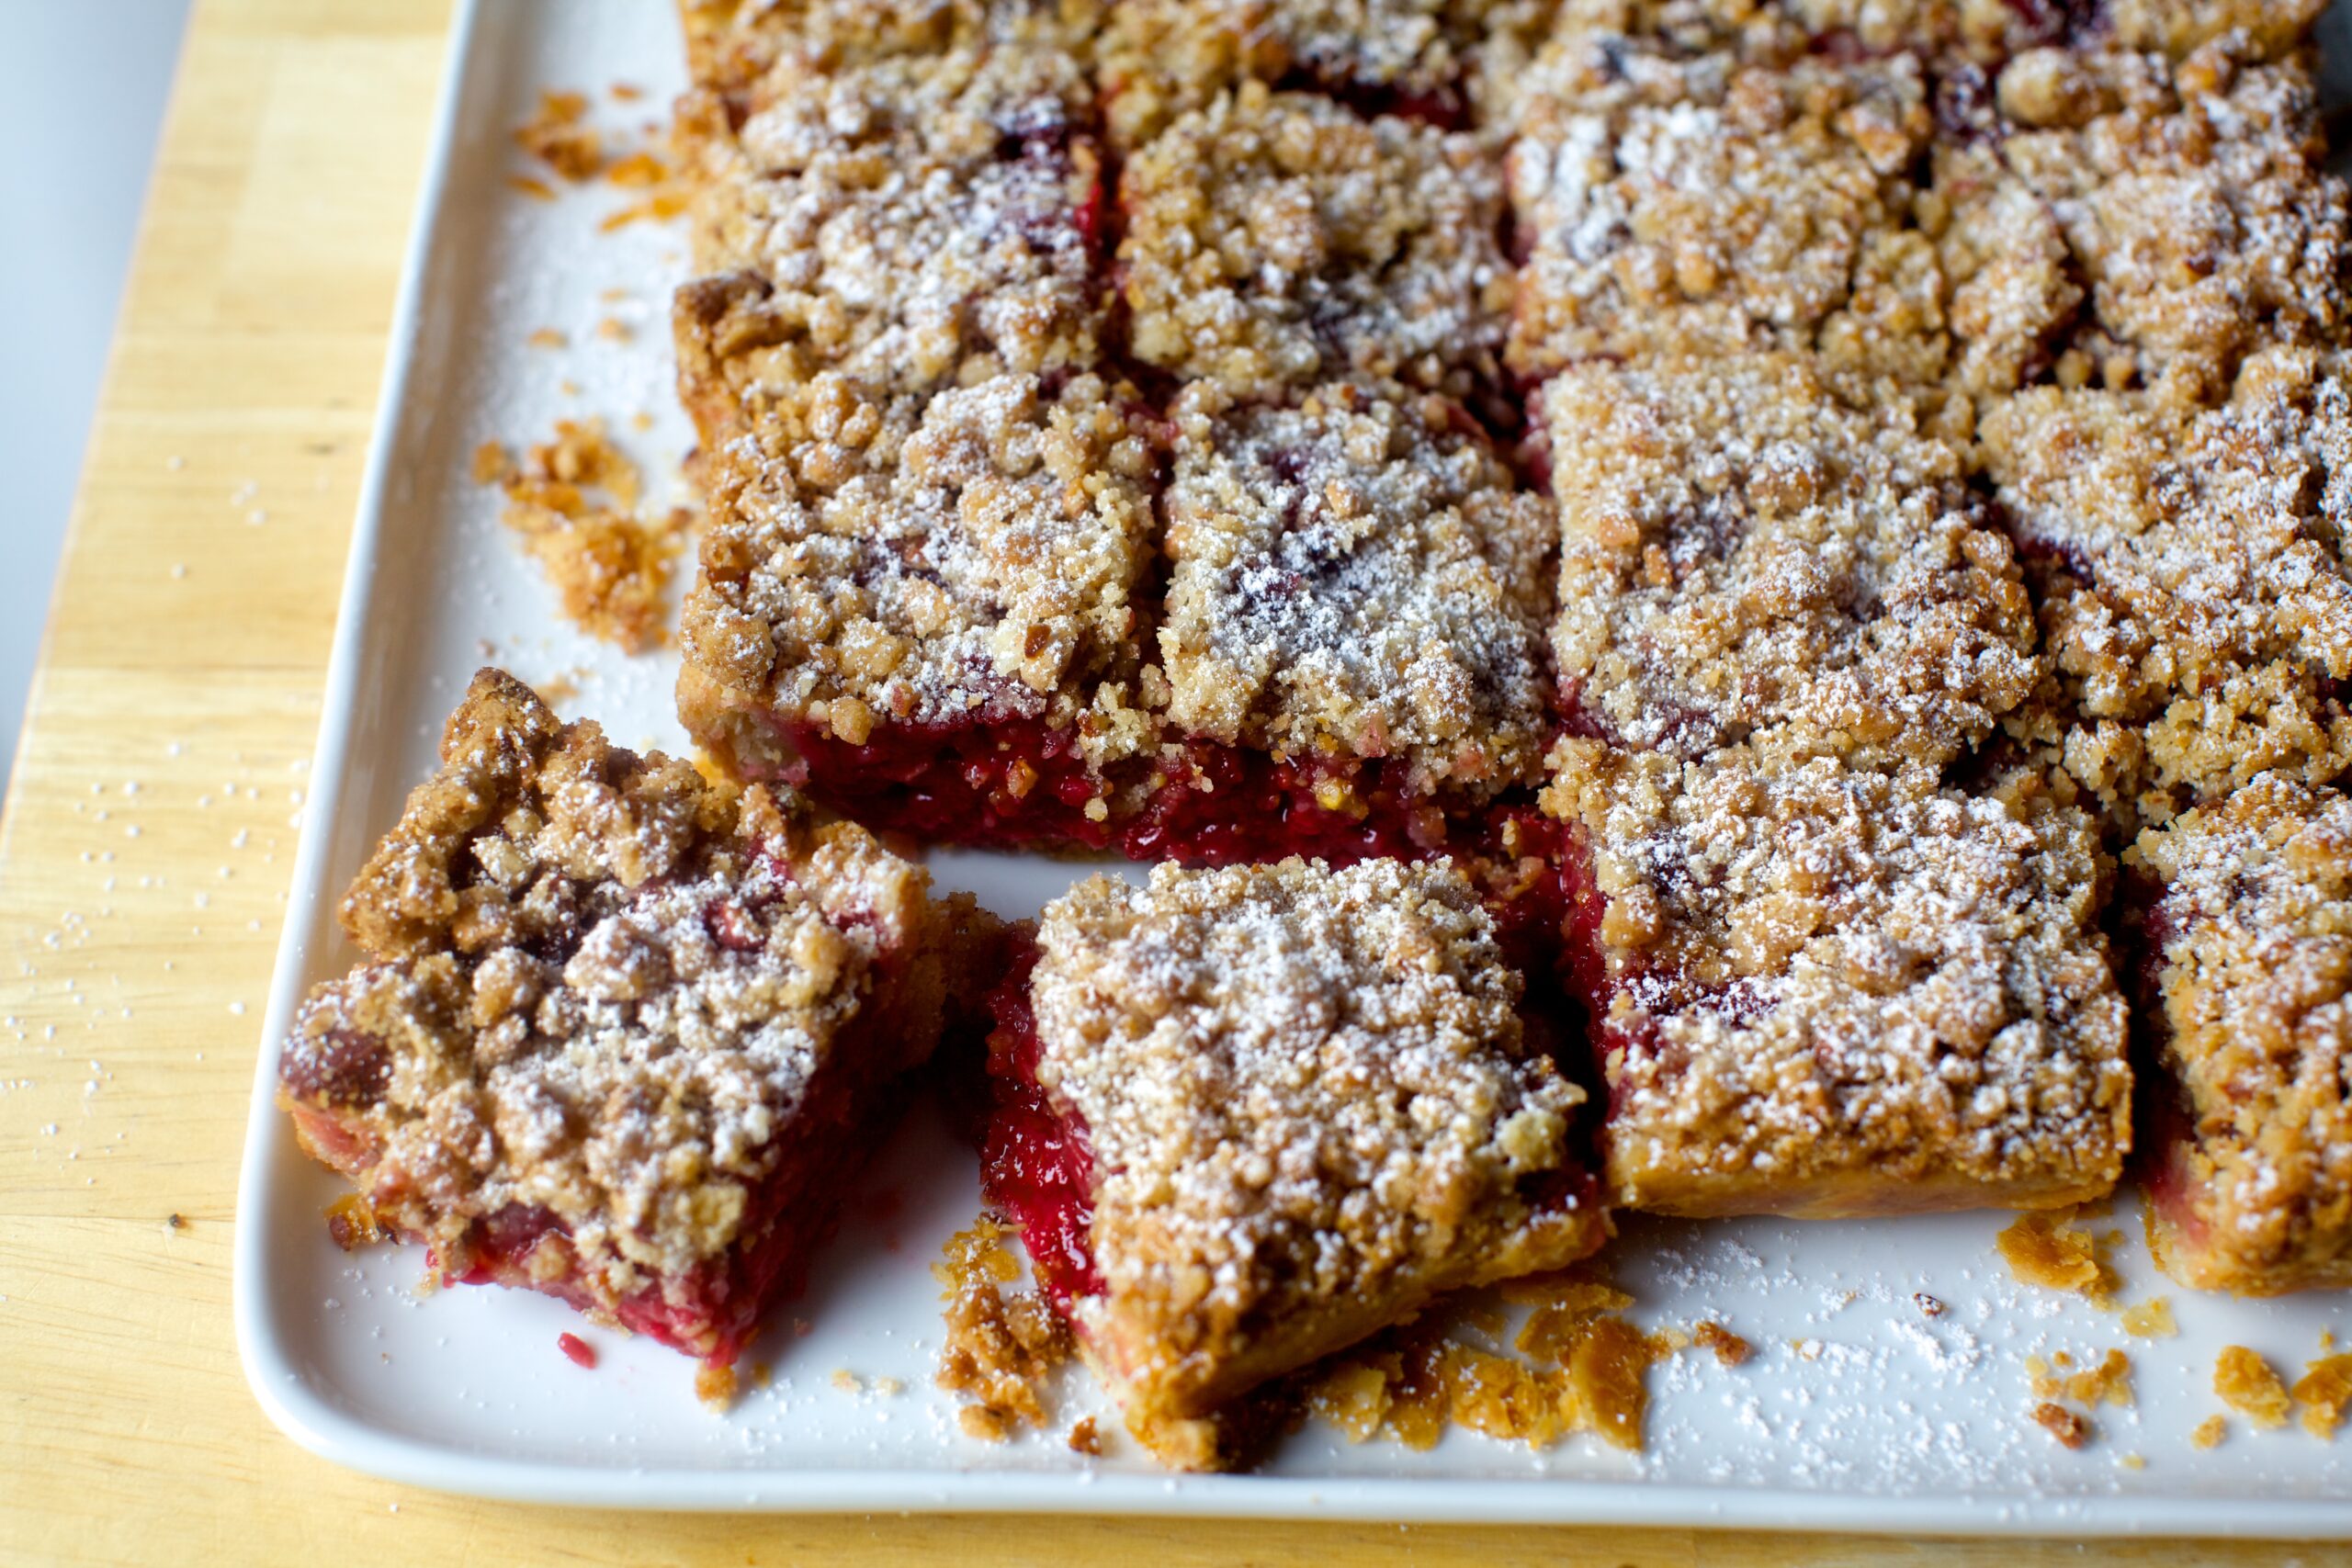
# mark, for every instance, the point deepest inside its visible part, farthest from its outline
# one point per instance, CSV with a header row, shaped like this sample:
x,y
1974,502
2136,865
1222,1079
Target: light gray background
x,y
83,85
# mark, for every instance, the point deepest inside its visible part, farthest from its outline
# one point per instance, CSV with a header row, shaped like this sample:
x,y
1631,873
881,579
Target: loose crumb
x,y
715,1386
492,463
2324,1391
578,1351
1929,1305
1730,1349
174,1223
2071,1430
537,191
2110,1382
555,136
846,1380
2210,1432
2046,1249
573,500
2133,1461
1001,1345
1084,1438
2151,1319
2248,1386
638,171
613,330
889,1388
547,337
352,1223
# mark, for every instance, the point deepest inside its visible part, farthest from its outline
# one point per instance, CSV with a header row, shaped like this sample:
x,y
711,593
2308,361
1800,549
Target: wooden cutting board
x,y
144,851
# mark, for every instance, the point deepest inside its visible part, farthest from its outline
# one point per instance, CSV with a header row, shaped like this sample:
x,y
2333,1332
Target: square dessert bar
x,y
2194,568
1747,561
1740,190
920,222
617,1032
1354,625
2247,966
1277,239
1825,992
928,620
1247,1117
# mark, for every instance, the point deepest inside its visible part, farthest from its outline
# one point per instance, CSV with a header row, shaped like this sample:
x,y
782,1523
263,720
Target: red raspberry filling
x,y
1037,1166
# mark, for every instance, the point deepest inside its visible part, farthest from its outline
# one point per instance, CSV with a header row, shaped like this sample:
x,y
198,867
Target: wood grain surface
x,y
144,854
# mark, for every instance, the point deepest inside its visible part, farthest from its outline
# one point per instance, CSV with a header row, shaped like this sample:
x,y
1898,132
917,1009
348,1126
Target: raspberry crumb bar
x,y
1826,991
1248,1116
2248,962
1353,633
618,1031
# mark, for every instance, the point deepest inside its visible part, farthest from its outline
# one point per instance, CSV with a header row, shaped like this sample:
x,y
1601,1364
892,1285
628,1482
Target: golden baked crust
x,y
732,45
1276,240
864,565
597,992
2194,576
1311,1108
1356,575
2250,950
1829,992
1745,561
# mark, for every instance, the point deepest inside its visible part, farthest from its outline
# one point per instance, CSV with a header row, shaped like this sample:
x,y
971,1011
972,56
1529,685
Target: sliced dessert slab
x,y
1277,239
2247,958
1249,1116
1352,642
1826,991
1746,560
927,619
617,1032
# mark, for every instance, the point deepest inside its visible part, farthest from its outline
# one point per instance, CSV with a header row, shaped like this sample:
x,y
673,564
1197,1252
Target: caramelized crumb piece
x,y
2151,1319
351,1222
2248,1386
1353,1396
2071,1430
2210,1432
846,1380
537,191
2046,1249
1606,1367
492,464
575,501
547,337
2110,1382
625,92
2324,1390
613,330
2133,1461
1085,1440
555,136
662,205
716,1386
1000,1346
1730,1349
638,171
1929,1305
1563,1306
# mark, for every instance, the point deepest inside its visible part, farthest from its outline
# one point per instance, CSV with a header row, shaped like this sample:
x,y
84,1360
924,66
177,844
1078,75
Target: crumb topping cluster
x,y
1838,989
2254,936
1309,1100
1274,239
1356,574
598,990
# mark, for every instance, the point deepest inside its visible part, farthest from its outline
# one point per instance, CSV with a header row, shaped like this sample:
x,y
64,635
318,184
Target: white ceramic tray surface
x,y
1858,1411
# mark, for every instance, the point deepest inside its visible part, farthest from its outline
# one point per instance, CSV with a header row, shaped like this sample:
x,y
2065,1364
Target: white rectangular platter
x,y
1858,1412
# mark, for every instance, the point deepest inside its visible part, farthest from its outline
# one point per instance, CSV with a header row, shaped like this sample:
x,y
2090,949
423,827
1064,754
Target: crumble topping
x,y
597,991
732,45
2071,1430
2248,1385
864,566
922,221
2253,938
1356,574
1709,202
2196,576
1746,560
2192,202
1277,239
1829,990
1001,1346
1161,58
1311,1108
